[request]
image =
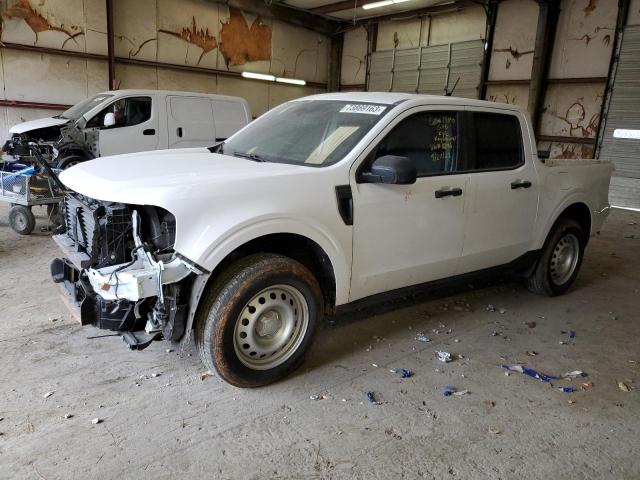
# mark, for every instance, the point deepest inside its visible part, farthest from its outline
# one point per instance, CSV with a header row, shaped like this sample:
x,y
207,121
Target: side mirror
x,y
109,120
391,169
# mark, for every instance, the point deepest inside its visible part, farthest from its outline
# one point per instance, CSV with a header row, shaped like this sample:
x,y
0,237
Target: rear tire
x,y
561,259
22,220
256,322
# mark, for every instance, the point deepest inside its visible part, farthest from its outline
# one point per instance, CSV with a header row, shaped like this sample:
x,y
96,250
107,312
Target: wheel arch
x,y
574,208
579,212
293,245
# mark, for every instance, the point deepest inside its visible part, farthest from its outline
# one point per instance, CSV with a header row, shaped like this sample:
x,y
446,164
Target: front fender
x,y
337,249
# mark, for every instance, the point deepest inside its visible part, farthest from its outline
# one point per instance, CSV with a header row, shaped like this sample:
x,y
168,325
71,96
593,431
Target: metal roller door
x,y
621,137
431,70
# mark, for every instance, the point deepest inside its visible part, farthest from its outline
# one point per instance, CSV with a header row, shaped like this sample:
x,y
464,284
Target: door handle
x,y
520,184
149,131
179,132
453,192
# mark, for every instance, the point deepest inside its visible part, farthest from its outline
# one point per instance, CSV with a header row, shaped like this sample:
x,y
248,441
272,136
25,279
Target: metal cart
x,y
23,186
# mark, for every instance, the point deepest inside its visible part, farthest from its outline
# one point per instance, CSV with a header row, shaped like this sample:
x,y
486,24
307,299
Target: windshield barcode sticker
x,y
362,108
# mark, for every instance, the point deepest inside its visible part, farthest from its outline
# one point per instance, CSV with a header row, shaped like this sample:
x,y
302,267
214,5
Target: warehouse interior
x,y
77,404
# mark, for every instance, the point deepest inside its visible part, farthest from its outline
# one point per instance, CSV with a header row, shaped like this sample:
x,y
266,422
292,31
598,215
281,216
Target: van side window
x,y
429,138
498,141
128,112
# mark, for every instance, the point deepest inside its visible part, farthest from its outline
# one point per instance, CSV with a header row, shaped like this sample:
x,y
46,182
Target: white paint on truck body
x,y
401,234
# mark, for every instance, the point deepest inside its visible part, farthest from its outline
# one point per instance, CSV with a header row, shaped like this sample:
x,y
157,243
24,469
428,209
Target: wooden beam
x,y
566,139
132,61
40,105
191,68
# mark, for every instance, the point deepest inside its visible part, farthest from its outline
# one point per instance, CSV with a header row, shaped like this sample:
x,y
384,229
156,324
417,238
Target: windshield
x,y
307,132
79,109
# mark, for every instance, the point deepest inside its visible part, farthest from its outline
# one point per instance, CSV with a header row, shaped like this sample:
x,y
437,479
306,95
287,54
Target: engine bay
x,y
120,269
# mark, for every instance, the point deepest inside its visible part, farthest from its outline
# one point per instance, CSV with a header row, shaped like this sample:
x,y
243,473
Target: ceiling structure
x,y
353,10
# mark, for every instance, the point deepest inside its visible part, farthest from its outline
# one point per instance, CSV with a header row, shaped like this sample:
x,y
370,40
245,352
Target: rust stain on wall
x,y
200,37
513,52
240,43
507,100
568,151
37,23
575,117
591,6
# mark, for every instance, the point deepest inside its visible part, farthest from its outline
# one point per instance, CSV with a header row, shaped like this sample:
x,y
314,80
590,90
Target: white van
x,y
127,121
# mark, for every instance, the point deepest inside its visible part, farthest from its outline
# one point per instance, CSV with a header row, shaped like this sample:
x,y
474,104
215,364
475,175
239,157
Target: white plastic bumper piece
x,y
140,280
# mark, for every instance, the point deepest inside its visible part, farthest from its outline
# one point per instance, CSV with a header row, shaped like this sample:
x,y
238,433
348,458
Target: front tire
x,y
258,319
561,259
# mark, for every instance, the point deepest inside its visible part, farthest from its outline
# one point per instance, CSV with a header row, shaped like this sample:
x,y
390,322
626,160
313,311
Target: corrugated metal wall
x,y
624,113
432,70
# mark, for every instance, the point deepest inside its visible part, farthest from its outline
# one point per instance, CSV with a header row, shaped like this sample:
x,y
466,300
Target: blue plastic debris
x,y
567,389
529,371
406,373
449,390
372,399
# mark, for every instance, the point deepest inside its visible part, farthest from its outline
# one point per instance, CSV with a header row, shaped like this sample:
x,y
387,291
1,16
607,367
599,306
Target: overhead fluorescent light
x,y
259,76
293,81
383,3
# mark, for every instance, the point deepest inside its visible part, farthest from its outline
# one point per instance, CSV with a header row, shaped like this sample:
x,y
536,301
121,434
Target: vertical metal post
x,y
492,16
372,41
335,62
111,56
545,36
623,14
393,66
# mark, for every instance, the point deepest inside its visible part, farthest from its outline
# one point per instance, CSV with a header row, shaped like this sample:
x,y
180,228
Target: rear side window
x,y
430,139
498,141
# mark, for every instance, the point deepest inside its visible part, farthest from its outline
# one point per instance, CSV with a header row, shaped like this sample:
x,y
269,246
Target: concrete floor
x,y
177,425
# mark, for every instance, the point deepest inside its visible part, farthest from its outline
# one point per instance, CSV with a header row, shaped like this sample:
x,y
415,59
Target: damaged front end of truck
x,y
121,271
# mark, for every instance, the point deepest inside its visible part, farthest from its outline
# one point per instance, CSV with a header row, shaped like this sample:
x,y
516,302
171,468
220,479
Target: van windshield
x,y
315,133
79,109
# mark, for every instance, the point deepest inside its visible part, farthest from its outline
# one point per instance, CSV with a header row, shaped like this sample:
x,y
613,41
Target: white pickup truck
x,y
322,204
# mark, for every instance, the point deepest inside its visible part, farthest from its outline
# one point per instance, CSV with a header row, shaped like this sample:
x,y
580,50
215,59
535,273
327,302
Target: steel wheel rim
x,y
564,258
21,221
271,327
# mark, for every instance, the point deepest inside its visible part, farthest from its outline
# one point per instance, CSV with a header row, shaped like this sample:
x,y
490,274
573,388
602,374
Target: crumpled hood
x,y
36,124
153,178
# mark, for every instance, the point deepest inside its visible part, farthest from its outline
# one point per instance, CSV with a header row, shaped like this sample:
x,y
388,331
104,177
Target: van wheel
x,y
256,322
69,161
561,259
22,220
